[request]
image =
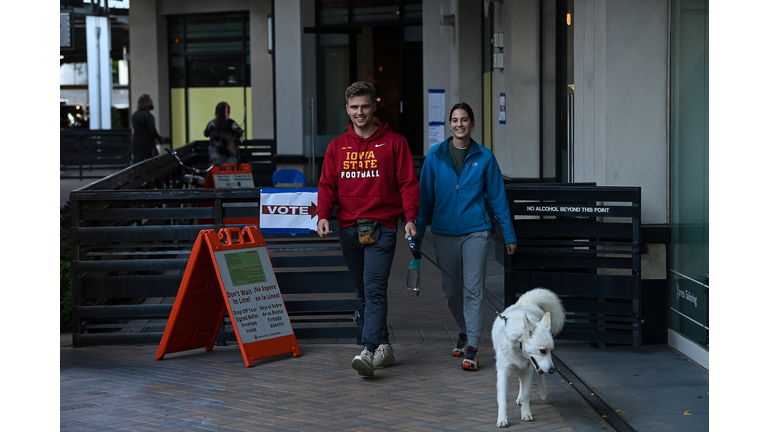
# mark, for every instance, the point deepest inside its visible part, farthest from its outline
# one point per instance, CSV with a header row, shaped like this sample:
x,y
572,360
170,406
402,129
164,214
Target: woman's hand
x,y
410,230
511,247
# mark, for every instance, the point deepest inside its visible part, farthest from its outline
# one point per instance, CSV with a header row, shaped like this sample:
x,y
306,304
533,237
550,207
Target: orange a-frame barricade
x,y
230,176
230,272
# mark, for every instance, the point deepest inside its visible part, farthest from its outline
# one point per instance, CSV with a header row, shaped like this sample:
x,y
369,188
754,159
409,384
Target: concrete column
x,y
453,58
589,90
469,89
262,123
290,106
148,61
621,103
517,141
98,43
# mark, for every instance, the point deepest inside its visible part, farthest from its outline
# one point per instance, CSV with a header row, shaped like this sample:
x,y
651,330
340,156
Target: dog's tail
x,y
548,302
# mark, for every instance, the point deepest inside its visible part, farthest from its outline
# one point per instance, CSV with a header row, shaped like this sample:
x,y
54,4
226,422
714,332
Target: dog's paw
x,y
526,416
518,402
502,422
543,394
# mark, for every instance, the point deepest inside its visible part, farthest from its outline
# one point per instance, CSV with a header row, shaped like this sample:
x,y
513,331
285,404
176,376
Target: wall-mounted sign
x,y
66,30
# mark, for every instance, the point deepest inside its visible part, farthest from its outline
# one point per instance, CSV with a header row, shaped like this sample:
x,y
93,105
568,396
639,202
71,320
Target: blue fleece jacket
x,y
455,204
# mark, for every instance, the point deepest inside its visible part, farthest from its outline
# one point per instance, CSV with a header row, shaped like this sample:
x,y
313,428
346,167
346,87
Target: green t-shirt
x,y
458,155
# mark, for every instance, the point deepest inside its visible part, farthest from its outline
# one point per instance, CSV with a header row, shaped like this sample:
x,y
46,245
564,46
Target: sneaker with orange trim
x,y
471,360
460,350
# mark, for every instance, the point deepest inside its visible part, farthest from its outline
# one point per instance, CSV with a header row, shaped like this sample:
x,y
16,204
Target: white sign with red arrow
x,y
288,210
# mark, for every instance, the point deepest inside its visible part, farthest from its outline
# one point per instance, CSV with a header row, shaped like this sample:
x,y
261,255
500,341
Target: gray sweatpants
x,y
464,257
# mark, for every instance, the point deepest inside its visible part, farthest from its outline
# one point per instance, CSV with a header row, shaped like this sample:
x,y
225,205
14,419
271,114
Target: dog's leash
x,y
417,254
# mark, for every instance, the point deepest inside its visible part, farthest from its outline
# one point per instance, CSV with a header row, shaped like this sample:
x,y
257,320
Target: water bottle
x,y
414,277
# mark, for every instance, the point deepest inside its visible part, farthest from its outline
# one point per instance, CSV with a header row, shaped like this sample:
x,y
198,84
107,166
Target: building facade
x,y
607,92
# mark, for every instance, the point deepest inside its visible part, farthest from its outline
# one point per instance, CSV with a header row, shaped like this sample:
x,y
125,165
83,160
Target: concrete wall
x,y
262,90
621,84
148,61
290,19
439,53
517,141
452,59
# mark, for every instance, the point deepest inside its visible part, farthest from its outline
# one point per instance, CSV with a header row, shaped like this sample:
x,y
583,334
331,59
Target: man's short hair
x,y
360,88
143,99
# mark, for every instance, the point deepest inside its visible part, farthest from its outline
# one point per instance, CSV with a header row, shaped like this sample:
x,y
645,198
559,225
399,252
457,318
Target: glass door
x,y
327,72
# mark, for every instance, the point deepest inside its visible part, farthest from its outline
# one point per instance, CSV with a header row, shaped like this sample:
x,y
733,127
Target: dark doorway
x,y
356,41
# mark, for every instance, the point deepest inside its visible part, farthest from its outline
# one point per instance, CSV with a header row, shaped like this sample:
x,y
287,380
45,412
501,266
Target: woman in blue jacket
x,y
457,179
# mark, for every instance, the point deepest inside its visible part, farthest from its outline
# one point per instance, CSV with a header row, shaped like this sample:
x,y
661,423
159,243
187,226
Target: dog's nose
x,y
551,370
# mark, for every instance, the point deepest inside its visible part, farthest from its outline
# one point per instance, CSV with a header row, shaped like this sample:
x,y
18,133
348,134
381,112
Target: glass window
x,y
411,9
215,33
209,50
336,12
376,10
217,72
689,171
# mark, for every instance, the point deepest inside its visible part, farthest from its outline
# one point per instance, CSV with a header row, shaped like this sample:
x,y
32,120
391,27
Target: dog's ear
x,y
546,321
527,325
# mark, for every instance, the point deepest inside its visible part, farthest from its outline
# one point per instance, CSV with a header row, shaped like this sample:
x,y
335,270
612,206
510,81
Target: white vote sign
x,y
290,210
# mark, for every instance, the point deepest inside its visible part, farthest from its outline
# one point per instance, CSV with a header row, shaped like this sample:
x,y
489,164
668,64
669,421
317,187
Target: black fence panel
x,y
83,150
582,242
132,234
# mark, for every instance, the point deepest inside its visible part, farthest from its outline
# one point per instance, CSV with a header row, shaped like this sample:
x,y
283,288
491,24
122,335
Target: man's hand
x,y
410,230
511,247
323,228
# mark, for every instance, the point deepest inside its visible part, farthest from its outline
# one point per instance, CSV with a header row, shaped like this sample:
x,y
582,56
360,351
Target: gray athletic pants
x,y
464,257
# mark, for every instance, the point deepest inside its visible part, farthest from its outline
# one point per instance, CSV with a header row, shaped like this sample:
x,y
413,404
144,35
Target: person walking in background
x,y
458,177
145,136
368,172
225,134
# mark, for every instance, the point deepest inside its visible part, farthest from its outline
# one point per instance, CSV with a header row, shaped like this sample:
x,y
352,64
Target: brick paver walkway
x,y
124,388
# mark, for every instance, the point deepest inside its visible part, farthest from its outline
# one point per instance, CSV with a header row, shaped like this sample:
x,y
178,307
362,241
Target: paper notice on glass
x,y
436,134
436,106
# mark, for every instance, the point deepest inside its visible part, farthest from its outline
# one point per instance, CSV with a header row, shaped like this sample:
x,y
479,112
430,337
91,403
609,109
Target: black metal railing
x,y
133,231
583,243
81,151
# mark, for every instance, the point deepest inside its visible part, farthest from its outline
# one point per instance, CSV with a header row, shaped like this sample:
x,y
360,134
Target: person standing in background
x,y
224,133
145,136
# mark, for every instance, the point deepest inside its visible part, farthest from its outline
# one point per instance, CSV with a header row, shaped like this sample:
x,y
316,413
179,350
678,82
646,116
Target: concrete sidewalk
x,y
124,388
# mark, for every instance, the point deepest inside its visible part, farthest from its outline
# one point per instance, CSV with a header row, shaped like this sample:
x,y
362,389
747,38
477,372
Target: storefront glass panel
x,y
689,171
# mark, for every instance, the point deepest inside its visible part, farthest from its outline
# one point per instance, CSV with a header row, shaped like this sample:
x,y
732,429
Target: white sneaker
x,y
363,363
383,357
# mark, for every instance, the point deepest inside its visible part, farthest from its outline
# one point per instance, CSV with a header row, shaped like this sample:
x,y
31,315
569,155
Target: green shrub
x,y
65,271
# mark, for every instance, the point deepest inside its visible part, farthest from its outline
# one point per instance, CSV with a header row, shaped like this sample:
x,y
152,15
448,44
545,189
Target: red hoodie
x,y
369,178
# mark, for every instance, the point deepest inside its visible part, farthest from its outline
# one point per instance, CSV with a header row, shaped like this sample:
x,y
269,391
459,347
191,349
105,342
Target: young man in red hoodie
x,y
368,173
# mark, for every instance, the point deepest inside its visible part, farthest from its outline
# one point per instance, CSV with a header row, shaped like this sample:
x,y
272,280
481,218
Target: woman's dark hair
x,y
222,114
465,107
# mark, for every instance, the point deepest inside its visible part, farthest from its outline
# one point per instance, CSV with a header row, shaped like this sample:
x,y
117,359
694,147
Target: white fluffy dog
x,y
525,337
